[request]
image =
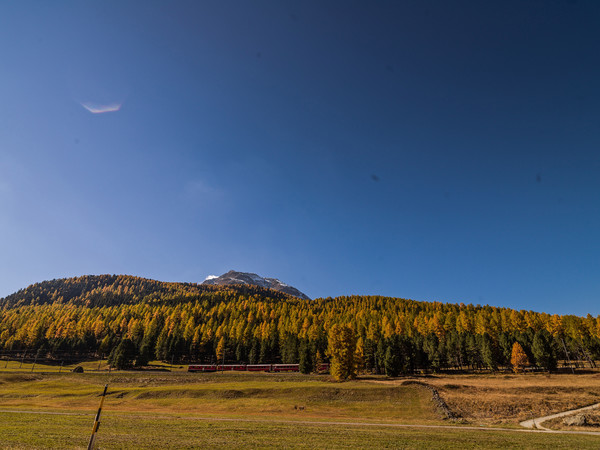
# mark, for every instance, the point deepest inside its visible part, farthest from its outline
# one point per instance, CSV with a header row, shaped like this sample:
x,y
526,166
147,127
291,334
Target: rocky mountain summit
x,y
233,277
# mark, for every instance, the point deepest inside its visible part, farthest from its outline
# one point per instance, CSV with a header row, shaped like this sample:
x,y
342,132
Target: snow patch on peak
x,y
246,278
211,277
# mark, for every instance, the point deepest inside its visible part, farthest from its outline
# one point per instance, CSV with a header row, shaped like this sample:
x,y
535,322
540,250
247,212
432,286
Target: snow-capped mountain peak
x,y
233,277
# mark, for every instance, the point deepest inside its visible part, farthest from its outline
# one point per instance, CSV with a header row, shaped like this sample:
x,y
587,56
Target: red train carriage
x,y
237,367
285,368
258,367
324,367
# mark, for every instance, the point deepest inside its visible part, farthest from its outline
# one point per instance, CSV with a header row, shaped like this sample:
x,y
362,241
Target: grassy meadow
x,y
126,431
509,398
176,409
229,394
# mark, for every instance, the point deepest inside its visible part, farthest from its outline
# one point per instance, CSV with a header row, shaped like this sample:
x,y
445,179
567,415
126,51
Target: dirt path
x,y
537,422
331,423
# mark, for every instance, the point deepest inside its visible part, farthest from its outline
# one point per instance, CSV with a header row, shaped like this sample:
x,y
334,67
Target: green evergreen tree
x,y
392,362
144,356
380,357
488,352
306,362
505,342
240,353
543,351
106,345
431,348
123,356
162,346
254,354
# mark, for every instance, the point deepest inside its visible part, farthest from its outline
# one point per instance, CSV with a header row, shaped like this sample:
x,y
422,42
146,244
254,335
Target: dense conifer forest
x,y
136,320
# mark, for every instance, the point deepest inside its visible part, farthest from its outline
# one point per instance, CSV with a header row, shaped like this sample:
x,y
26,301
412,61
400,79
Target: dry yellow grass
x,y
509,399
478,398
171,409
593,418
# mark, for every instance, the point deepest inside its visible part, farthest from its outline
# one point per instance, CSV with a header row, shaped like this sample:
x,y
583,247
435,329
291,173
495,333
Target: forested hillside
x,y
95,315
109,290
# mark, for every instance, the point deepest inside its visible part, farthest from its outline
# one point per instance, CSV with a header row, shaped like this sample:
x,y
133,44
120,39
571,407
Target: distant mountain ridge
x,y
234,277
94,314
113,290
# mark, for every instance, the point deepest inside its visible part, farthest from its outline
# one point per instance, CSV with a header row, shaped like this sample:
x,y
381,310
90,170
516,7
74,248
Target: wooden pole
x,y
97,420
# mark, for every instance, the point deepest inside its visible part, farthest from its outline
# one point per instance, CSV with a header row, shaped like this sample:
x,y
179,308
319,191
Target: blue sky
x,y
431,150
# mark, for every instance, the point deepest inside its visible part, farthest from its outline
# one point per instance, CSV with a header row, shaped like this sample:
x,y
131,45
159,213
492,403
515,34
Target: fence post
x,y
97,420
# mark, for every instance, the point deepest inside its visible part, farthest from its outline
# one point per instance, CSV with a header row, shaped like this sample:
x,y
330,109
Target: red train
x,y
251,367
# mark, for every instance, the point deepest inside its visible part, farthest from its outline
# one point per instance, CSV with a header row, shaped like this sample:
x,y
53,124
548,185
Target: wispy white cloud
x,y
96,108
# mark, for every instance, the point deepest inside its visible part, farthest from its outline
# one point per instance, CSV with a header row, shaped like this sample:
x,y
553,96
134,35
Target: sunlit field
x,y
231,394
176,409
143,430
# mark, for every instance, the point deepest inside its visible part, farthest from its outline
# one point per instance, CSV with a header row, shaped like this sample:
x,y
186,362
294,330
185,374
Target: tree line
x,y
134,320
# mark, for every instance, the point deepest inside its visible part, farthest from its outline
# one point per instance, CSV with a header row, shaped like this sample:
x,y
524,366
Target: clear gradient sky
x,y
431,150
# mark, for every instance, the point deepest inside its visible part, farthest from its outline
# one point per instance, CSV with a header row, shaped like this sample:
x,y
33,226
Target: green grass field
x,y
94,366
229,394
187,410
125,431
